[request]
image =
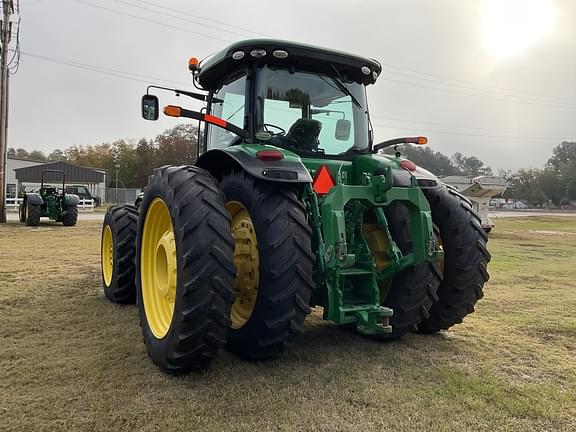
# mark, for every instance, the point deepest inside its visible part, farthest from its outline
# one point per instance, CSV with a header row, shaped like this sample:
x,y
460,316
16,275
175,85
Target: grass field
x,y
70,360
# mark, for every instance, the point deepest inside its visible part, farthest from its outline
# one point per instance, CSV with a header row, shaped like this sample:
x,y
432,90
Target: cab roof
x,y
286,54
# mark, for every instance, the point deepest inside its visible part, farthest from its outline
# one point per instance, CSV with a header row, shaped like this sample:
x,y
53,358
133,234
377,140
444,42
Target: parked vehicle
x,y
83,193
289,206
50,202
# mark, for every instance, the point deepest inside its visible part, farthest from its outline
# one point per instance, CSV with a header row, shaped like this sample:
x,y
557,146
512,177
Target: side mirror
x,y
343,130
150,109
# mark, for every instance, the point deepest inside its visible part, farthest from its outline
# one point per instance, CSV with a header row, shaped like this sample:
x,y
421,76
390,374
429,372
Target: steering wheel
x,y
267,125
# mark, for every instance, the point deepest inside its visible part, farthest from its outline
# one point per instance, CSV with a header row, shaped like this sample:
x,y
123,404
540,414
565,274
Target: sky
x,y
491,78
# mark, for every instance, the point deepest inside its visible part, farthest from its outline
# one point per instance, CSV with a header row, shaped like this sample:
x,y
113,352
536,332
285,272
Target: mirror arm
x,y
396,141
174,111
177,92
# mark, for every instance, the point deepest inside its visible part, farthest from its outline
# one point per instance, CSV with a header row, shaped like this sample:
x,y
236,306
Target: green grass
x,y
70,360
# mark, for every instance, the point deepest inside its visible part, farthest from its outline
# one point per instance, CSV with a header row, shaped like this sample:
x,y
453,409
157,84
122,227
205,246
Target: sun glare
x,y
511,26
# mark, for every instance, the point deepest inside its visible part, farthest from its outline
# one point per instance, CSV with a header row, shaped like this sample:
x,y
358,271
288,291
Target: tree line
x,y
554,184
134,159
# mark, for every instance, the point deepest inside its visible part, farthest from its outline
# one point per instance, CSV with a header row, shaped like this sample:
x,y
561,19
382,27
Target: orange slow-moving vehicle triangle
x,y
323,181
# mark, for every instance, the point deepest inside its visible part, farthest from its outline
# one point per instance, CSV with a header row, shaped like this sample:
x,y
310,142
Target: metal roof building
x,y
23,172
74,173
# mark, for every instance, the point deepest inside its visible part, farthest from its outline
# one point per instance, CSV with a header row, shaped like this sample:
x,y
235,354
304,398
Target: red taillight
x,y
270,155
323,181
408,165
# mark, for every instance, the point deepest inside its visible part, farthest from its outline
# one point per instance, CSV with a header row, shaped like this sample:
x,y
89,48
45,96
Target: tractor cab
x,y
271,100
302,98
298,97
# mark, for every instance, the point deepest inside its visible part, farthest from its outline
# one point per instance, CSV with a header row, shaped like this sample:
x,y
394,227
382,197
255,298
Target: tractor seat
x,y
304,133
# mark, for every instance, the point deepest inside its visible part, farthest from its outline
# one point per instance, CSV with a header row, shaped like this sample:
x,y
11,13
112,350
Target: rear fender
x,y
290,169
425,178
33,199
71,199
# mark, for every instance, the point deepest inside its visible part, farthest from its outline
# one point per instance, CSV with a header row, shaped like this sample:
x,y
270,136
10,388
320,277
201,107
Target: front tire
x,y
465,259
274,261
70,216
118,249
184,268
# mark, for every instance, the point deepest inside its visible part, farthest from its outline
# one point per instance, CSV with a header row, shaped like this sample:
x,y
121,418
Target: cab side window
x,y
228,103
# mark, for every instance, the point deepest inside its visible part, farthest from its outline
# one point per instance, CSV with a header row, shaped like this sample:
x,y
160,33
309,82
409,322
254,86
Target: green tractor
x,y
50,202
290,206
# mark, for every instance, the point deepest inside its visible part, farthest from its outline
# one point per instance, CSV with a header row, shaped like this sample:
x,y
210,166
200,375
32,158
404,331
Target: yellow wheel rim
x,y
107,250
378,244
247,262
158,266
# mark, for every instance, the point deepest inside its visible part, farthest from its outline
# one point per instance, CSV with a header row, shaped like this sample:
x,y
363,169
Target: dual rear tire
x,y
118,249
193,237
466,258
431,297
274,260
413,291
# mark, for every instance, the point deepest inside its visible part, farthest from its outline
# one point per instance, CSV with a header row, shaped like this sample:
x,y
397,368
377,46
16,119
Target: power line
x,y
201,17
417,129
100,69
476,95
539,134
477,84
14,62
135,77
178,17
488,92
505,98
151,21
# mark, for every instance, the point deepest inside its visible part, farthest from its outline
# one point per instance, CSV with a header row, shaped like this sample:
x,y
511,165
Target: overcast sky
x,y
490,78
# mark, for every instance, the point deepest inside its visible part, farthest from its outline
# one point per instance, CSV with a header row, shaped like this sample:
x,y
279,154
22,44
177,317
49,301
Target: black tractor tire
x,y
466,258
33,213
412,291
123,223
285,266
204,269
70,216
22,213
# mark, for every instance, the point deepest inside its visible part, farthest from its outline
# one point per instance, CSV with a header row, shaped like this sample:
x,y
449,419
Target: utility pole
x,y
117,169
8,9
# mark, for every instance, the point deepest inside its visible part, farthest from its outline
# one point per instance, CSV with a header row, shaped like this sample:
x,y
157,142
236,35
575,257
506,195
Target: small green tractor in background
x,y
50,202
289,206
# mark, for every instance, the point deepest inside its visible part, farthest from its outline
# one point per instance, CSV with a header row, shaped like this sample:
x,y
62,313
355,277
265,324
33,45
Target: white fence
x,y
121,195
84,204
